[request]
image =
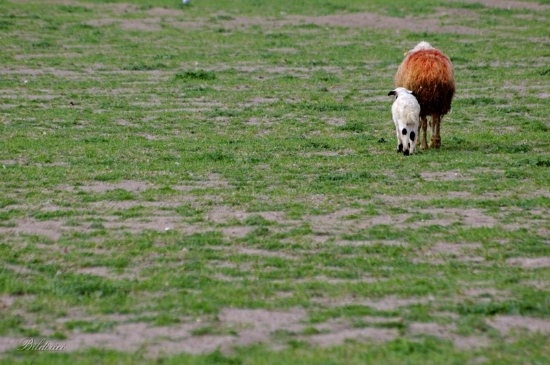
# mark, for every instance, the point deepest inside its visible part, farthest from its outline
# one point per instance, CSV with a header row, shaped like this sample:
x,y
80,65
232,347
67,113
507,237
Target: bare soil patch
x,y
444,176
164,12
237,231
7,300
127,337
261,323
118,8
259,100
102,187
476,292
150,24
530,262
267,253
335,121
371,243
335,216
475,218
49,229
222,277
262,318
193,345
451,249
384,304
284,50
259,121
328,153
156,223
400,199
210,181
510,4
9,343
469,217
375,98
33,72
151,137
126,204
105,272
461,342
46,55
366,279
19,269
222,214
338,336
370,20
362,20
337,222
322,278
543,232
506,323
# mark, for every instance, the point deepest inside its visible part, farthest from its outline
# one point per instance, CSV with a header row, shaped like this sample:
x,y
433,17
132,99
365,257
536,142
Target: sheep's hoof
x,y
406,153
435,143
424,146
400,148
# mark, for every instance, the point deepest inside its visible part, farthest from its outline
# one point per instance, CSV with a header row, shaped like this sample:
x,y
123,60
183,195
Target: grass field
x,y
217,183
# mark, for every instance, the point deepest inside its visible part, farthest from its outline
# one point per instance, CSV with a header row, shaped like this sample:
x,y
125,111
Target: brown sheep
x,y
430,75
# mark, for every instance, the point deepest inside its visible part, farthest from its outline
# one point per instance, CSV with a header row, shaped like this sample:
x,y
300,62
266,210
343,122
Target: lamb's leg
x,y
412,137
435,124
399,142
406,141
423,131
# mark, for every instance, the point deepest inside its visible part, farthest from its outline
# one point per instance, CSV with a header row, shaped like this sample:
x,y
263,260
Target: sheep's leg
x,y
432,131
399,142
412,137
423,132
405,140
437,136
435,140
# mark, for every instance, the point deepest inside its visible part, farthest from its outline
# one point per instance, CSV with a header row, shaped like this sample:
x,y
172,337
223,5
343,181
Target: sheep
x,y
430,75
406,116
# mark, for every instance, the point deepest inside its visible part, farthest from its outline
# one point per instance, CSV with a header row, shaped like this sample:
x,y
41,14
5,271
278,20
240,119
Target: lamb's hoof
x,y
400,148
406,153
424,146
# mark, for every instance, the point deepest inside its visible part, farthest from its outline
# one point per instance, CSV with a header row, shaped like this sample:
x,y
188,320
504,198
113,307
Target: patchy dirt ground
x,y
249,326
246,327
344,227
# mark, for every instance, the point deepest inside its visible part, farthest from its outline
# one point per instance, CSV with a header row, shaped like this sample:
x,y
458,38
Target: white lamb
x,y
406,116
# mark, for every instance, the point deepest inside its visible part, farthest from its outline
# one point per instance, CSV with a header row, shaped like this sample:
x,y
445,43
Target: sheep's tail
x,y
413,117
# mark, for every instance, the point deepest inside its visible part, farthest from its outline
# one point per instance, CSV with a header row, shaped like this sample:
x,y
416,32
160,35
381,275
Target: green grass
x,y
167,163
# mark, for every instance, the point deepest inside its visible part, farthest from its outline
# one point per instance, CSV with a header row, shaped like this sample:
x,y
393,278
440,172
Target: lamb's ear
x,y
391,92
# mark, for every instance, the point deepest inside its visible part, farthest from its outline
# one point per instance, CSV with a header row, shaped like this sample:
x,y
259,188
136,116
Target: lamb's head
x,y
400,91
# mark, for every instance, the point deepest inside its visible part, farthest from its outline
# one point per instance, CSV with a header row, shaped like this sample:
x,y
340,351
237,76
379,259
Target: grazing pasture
x,y
217,183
